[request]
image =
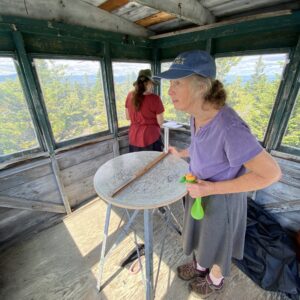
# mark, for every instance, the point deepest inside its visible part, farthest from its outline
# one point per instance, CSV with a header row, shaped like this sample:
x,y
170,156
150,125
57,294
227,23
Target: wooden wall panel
x,y
266,40
79,181
179,138
61,46
6,42
82,154
19,175
78,168
123,144
28,222
9,215
83,189
43,189
83,170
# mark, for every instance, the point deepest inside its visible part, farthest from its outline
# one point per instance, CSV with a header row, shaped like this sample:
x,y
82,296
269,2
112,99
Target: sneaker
x,y
203,287
189,271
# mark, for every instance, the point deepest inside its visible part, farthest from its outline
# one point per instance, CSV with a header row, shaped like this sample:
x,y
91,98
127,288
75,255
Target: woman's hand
x,y
181,153
174,151
200,189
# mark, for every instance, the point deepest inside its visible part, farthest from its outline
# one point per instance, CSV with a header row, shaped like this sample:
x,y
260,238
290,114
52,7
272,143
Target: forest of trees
x,y
74,108
77,108
16,130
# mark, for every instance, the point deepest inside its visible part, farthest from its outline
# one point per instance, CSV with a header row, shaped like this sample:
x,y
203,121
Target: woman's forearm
x,y
184,153
245,183
160,119
263,170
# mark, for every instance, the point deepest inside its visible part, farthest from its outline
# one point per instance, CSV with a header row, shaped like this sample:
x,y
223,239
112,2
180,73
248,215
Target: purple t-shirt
x,y
220,148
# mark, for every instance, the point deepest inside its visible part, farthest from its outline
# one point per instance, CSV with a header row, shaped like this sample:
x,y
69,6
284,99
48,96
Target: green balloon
x,y
197,211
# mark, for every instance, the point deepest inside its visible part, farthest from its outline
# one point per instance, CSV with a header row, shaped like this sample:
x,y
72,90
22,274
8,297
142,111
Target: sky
x,y
247,64
77,67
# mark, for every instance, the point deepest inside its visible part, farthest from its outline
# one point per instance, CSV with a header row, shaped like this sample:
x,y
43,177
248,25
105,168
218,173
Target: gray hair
x,y
197,80
214,90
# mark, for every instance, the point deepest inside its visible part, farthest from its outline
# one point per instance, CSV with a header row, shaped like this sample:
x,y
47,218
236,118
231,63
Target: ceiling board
x,y
236,6
136,13
155,19
111,5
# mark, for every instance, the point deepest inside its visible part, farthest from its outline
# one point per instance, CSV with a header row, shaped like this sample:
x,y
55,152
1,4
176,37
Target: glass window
x,y
252,83
125,74
292,133
171,114
16,131
74,97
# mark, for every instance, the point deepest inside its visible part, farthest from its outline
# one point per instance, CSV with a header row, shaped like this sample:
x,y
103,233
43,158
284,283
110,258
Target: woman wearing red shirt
x,y
145,112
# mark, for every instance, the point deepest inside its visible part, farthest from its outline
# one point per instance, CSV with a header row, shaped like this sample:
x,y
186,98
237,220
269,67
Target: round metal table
x,y
158,187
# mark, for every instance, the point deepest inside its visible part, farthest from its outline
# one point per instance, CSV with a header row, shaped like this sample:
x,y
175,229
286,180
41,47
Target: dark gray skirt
x,y
220,235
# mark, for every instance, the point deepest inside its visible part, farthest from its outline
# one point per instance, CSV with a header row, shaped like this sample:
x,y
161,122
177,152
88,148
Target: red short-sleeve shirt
x,y
144,129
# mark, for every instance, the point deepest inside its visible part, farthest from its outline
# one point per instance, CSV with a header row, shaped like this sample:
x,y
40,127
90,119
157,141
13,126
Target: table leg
x,y
118,240
148,236
102,257
162,248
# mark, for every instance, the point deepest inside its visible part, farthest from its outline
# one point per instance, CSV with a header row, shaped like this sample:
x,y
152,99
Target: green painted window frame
x,y
30,152
77,140
294,55
285,148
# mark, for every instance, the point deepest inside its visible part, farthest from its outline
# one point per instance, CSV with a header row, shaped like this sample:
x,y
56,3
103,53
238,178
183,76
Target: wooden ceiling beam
x,y
75,12
155,19
189,10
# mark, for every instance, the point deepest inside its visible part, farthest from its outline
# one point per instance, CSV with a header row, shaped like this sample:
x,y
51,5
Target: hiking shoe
x,y
203,287
189,271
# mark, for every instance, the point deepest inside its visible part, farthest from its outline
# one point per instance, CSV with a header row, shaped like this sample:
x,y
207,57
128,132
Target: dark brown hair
x,y
138,94
217,94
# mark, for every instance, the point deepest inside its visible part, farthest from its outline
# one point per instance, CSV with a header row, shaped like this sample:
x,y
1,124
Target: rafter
x,y
75,12
190,10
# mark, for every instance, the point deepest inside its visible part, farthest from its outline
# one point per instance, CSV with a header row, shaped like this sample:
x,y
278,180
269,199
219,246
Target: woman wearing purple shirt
x,y
228,162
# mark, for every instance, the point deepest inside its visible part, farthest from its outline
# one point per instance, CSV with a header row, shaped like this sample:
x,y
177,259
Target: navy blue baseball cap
x,y
189,63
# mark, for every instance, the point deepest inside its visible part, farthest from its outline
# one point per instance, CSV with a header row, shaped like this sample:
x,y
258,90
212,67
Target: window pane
x,y
74,98
125,75
252,83
171,114
292,134
16,130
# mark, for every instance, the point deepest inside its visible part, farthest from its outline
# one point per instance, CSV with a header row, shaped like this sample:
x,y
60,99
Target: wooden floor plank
x,y
62,263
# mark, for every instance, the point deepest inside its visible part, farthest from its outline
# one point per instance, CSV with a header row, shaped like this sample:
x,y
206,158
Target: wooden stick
x,y
140,173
